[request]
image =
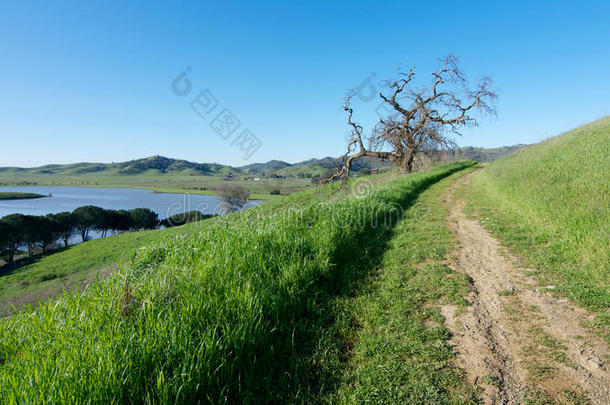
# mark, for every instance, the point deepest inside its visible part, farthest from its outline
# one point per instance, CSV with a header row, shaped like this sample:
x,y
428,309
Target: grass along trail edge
x,y
395,346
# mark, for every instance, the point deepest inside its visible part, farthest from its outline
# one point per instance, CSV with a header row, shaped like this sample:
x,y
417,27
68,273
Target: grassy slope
x,y
486,155
229,314
65,268
551,202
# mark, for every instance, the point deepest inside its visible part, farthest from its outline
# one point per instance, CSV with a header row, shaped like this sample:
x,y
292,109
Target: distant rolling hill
x,y
486,154
160,165
153,164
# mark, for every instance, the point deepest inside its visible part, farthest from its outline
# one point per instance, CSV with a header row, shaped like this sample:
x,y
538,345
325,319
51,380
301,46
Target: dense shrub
x,y
185,218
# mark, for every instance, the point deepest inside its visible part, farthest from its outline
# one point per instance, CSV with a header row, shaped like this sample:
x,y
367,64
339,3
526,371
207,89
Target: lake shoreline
x,y
68,198
162,190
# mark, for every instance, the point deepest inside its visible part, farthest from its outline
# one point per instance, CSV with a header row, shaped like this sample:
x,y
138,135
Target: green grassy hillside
x,y
551,202
486,154
260,306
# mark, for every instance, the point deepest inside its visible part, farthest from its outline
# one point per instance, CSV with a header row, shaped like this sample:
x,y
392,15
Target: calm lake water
x,y
68,198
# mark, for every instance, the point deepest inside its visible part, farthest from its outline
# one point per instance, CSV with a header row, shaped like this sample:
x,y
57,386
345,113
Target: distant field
x,y
551,202
19,196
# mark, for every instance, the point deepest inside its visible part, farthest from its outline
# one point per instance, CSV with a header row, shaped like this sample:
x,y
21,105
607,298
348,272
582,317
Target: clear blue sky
x,y
91,81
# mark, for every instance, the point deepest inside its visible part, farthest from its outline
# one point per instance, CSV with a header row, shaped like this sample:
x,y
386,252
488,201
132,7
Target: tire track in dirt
x,y
517,341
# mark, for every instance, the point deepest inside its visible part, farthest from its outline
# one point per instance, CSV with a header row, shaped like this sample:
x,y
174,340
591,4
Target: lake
x,y
68,198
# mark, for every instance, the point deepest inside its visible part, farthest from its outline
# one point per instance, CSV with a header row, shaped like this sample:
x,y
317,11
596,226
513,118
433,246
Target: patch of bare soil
x,y
516,341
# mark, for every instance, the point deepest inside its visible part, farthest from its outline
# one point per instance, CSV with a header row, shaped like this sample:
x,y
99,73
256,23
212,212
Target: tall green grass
x,y
551,202
232,313
65,268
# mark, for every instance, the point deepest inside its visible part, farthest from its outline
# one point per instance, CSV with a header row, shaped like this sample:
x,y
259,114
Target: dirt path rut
x,y
516,341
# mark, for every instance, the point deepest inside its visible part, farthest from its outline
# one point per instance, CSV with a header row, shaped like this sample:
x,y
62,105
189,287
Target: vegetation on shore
x,y
19,196
551,203
44,232
227,314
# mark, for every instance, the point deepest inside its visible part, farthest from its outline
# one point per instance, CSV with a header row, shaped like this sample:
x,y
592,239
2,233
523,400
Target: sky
x,y
92,81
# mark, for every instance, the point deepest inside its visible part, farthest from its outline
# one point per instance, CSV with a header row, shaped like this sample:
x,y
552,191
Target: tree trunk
x,y
406,165
11,254
65,242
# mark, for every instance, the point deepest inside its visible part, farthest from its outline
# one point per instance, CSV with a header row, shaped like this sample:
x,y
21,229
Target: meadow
x,y
243,309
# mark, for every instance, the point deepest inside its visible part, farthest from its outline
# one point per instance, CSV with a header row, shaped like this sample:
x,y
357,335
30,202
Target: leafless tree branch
x,y
421,119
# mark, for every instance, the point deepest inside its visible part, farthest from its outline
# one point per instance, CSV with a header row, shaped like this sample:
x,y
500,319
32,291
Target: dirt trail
x,y
516,340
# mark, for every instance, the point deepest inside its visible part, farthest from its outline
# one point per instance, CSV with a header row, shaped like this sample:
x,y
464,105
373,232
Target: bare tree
x,y
421,120
233,196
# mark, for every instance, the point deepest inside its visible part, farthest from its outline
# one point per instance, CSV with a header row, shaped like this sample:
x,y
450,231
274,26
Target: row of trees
x,y
41,232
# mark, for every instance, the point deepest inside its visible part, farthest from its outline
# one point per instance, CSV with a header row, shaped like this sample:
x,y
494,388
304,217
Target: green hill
x,y
161,166
270,167
172,175
551,202
153,164
486,154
